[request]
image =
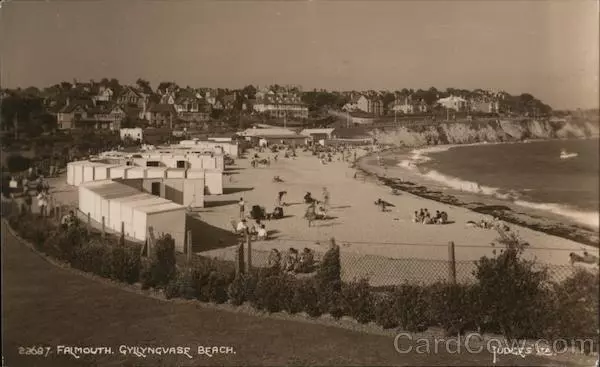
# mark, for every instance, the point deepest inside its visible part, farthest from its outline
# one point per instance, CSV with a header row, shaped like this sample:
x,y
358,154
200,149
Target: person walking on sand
x,y
242,206
326,197
310,214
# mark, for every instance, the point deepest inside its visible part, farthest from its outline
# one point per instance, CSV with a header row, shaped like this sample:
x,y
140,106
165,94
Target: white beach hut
x,y
164,218
119,171
127,207
114,221
214,181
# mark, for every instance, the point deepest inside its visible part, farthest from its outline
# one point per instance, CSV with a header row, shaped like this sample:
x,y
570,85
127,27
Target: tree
x,y
249,91
144,85
17,163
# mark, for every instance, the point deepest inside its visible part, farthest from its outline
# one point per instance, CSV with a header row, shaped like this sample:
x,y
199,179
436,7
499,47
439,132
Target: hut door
x,y
156,188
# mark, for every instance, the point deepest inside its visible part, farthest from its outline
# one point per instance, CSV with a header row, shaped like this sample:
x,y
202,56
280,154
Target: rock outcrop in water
x,y
490,131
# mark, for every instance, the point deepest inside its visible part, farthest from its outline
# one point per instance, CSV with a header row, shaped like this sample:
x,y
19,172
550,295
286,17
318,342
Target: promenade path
x,y
47,305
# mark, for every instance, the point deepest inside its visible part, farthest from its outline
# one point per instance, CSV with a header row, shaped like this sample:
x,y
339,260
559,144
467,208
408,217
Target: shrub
x,y
271,292
329,283
385,312
411,305
161,268
215,289
357,301
306,296
95,258
576,307
181,285
514,296
125,263
242,289
453,307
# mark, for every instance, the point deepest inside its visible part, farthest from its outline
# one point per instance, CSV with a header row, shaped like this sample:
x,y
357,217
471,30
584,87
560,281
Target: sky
x,y
546,48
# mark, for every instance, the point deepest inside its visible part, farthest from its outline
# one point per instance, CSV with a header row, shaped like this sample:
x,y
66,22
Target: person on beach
x,y
310,214
280,196
290,260
42,200
326,197
262,233
242,227
274,259
242,206
415,218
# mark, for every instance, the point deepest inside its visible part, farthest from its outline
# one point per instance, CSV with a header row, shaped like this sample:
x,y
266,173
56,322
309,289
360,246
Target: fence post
x,y
188,248
249,249
103,227
122,239
89,223
239,263
151,240
451,263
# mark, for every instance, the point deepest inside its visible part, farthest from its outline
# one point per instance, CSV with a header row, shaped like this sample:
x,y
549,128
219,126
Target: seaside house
x,y
105,94
162,115
280,104
373,105
317,135
484,105
352,105
191,110
268,136
132,133
453,103
229,101
132,97
86,115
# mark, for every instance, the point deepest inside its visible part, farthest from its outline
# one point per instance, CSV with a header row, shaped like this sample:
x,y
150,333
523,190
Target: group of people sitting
x,y
257,230
494,224
293,262
423,216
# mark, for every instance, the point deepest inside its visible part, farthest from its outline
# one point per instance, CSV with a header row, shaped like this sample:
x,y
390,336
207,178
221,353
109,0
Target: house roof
x,y
73,105
162,108
284,136
451,99
352,132
309,132
230,98
278,132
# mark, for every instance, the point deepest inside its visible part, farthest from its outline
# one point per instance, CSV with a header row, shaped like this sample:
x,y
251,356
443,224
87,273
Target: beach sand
x,y
358,222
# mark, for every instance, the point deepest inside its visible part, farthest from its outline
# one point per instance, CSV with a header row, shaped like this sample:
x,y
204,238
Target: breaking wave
x,y
419,156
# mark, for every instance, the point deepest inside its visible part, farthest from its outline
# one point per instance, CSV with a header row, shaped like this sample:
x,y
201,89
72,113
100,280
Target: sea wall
x,y
490,131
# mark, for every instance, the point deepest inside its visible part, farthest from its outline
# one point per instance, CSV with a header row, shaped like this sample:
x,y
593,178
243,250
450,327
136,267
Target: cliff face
x,y
475,132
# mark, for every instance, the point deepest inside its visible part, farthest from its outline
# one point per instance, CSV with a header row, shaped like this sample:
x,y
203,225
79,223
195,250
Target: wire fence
x,y
380,271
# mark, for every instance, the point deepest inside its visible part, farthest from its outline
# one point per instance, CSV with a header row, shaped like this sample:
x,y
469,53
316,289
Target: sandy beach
x,y
358,224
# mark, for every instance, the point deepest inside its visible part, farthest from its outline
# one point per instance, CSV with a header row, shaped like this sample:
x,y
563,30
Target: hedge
x,y
511,296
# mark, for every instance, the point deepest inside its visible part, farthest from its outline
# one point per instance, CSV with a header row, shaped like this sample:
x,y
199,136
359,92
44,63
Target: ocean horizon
x,y
530,174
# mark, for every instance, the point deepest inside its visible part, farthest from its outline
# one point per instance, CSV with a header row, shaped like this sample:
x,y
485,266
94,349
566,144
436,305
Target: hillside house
x,y
280,104
162,115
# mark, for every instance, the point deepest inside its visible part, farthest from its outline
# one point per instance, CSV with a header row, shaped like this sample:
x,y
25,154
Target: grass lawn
x,y
47,305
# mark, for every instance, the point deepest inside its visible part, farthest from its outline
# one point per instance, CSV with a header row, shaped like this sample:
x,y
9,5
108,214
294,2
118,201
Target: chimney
x,y
68,101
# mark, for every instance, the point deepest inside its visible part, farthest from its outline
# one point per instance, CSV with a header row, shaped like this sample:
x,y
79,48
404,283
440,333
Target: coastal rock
x,y
484,131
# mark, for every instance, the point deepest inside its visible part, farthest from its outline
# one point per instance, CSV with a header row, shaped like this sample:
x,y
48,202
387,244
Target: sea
x,y
530,174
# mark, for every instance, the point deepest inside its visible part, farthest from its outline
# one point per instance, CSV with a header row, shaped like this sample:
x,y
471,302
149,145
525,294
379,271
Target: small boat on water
x,y
565,155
